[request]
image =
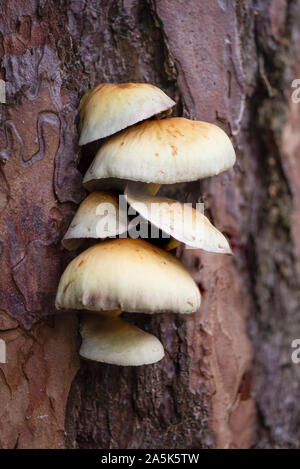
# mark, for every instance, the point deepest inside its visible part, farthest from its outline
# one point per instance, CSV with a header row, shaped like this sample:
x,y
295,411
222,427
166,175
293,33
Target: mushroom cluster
x,y
120,273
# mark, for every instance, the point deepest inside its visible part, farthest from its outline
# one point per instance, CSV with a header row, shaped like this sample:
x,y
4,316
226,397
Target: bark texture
x,y
227,62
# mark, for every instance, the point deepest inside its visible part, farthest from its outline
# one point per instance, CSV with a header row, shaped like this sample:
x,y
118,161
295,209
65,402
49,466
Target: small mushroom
x,y
109,108
115,341
163,151
181,221
98,216
130,274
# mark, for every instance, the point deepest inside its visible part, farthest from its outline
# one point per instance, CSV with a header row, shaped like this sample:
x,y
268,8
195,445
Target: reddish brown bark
x,y
231,63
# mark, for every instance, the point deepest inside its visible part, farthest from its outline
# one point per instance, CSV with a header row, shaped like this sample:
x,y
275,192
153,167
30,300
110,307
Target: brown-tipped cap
x,y
130,274
164,151
109,108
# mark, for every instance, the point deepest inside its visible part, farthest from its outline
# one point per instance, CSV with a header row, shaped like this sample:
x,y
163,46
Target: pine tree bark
x,y
227,62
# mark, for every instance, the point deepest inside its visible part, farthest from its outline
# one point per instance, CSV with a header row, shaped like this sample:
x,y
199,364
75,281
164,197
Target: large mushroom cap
x,y
130,274
181,221
115,341
163,151
109,108
98,216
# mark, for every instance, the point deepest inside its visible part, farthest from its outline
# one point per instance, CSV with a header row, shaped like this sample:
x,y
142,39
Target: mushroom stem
x,y
72,244
153,188
114,314
172,244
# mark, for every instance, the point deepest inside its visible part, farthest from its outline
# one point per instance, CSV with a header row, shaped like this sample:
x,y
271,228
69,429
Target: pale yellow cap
x,y
181,221
130,274
163,151
115,341
98,216
109,108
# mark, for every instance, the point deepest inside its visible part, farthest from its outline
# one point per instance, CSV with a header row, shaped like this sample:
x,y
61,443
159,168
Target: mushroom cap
x,y
164,151
130,274
98,216
115,341
181,221
109,108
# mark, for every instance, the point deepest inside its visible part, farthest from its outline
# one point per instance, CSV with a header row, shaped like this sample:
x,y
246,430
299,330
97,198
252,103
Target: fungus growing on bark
x,y
181,221
130,274
115,341
109,108
124,275
163,151
98,216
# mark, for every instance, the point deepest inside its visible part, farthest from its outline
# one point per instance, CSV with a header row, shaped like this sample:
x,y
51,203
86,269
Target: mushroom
x,y
109,108
115,341
181,221
163,151
130,274
98,216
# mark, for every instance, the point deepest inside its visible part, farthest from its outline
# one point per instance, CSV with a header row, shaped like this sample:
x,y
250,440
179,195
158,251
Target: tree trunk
x,y
227,62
